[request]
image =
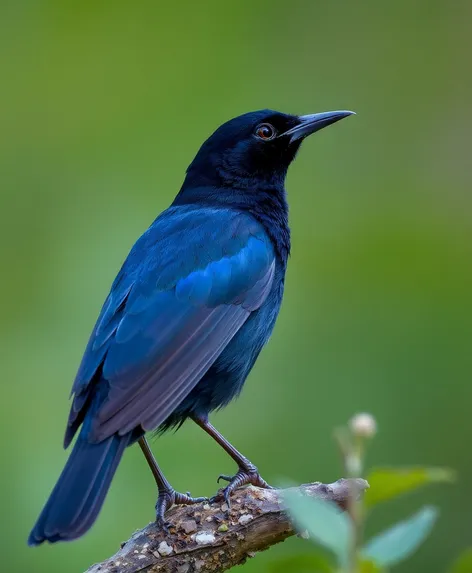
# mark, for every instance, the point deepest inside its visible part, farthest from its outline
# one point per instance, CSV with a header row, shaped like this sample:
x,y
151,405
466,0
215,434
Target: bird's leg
x,y
167,496
247,472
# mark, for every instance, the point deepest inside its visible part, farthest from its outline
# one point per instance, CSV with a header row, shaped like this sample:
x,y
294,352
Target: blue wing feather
x,y
187,286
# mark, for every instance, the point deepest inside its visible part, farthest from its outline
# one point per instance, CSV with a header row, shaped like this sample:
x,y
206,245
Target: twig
x,y
207,538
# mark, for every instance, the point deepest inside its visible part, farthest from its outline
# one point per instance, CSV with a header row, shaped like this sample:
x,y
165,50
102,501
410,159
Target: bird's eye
x,y
265,131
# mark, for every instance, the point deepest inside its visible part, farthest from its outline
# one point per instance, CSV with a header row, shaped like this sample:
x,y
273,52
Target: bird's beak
x,y
314,122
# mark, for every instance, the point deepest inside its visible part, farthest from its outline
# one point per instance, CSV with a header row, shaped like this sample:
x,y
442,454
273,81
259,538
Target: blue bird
x,y
186,318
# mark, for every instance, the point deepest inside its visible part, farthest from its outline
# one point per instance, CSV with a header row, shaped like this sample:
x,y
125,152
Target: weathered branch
x,y
204,537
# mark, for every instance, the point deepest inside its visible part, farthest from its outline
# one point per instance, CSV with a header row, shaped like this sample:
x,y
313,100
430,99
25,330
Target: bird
x,y
186,317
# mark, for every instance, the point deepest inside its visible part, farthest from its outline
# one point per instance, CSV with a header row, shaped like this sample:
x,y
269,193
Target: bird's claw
x,y
169,497
245,476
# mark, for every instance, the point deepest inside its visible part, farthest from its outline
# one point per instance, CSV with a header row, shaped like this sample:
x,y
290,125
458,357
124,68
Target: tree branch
x,y
207,538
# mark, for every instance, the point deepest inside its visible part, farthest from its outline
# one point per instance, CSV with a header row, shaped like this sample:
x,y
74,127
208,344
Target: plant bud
x,y
363,425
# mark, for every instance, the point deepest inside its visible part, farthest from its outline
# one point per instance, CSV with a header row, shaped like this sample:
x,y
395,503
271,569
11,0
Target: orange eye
x,y
265,131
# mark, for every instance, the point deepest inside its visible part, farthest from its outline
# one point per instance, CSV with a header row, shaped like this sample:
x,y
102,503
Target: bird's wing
x,y
187,287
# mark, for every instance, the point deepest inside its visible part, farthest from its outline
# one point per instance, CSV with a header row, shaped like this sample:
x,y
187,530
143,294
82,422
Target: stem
x,y
352,452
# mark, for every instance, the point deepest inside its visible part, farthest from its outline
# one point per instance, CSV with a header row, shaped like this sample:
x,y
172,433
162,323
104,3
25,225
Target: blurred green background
x,y
103,105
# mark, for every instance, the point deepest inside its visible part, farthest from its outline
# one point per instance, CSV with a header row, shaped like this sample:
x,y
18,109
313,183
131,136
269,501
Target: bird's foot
x,y
246,475
169,497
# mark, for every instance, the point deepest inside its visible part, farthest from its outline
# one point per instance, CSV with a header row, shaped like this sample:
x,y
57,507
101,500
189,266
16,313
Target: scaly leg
x,y
247,472
167,496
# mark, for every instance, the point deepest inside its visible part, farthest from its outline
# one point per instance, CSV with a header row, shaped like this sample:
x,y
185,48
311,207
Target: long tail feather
x,y
80,491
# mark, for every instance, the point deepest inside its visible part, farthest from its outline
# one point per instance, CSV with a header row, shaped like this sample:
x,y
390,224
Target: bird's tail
x,y
80,491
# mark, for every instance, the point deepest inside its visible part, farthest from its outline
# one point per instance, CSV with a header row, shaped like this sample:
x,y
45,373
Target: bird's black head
x,y
254,150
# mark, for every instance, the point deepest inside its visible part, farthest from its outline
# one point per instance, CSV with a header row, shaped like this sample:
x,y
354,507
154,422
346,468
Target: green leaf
x,y
323,521
387,483
369,567
312,563
463,563
401,540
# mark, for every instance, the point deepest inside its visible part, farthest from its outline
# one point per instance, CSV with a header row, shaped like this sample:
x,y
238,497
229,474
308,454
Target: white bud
x,y
363,425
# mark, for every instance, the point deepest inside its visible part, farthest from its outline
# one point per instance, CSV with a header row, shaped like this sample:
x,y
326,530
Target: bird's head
x,y
256,147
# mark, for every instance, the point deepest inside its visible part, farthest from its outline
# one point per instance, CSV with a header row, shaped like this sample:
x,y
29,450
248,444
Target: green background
x,y
102,107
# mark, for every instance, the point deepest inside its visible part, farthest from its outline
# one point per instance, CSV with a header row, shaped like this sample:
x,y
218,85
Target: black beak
x,y
314,122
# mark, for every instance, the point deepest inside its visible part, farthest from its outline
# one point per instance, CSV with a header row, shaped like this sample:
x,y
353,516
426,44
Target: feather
x,y
186,288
